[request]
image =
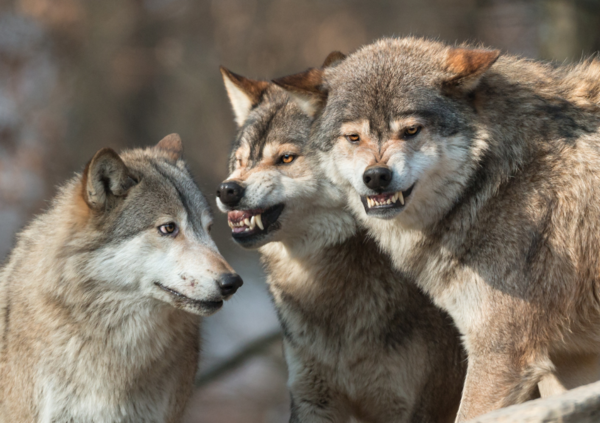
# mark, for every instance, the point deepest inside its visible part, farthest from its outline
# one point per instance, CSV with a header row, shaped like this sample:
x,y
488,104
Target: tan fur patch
x,y
217,263
80,211
172,146
309,81
368,150
252,88
271,155
333,58
465,62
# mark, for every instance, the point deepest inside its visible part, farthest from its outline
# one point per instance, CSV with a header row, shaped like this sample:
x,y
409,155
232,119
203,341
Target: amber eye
x,y
287,158
412,131
353,138
168,229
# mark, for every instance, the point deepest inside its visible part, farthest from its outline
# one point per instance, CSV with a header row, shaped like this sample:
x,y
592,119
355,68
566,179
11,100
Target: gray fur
x,y
360,342
86,332
502,229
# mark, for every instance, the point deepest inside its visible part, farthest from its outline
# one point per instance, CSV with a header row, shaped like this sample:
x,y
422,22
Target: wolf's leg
x,y
495,381
571,371
316,410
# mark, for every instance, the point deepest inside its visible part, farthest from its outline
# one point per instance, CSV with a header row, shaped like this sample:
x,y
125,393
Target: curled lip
x,y
246,223
386,204
185,300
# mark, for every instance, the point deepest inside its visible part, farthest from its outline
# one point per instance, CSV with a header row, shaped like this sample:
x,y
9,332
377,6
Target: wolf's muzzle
x,y
230,193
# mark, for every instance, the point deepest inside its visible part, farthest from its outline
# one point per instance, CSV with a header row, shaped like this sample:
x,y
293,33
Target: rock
x,y
580,405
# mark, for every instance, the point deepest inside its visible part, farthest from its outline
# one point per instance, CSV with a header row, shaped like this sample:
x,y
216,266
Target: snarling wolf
x,y
480,175
101,299
360,342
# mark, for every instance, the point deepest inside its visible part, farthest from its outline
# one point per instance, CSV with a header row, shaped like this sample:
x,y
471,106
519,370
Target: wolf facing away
x,y
102,297
480,175
359,341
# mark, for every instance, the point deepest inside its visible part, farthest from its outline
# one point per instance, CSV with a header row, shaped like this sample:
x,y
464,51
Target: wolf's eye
x,y
168,229
353,138
412,131
287,158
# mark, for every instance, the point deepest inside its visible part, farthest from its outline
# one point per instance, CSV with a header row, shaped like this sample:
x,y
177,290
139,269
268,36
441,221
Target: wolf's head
x,y
275,184
394,124
148,226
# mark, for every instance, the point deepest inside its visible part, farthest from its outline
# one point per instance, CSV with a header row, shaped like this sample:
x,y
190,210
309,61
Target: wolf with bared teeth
x,y
359,340
102,297
480,175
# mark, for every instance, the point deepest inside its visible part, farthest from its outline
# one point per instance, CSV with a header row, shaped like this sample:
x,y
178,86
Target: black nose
x,y
377,178
230,193
229,283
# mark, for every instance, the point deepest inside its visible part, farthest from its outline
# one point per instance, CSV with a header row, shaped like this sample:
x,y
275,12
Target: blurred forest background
x,y
79,75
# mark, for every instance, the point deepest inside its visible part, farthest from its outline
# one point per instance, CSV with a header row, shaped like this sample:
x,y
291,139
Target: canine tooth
x,y
401,198
230,223
389,201
252,222
259,222
247,222
394,197
369,202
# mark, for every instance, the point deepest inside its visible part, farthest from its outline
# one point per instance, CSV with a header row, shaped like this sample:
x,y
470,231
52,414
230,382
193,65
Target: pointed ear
x,y
172,146
244,93
333,59
467,67
306,88
105,179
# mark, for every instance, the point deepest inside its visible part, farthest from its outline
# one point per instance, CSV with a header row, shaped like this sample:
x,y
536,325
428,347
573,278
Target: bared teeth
x,y
258,220
249,223
372,202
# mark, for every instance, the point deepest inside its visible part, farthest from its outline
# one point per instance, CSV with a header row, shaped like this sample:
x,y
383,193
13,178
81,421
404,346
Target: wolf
x,y
360,342
479,174
103,295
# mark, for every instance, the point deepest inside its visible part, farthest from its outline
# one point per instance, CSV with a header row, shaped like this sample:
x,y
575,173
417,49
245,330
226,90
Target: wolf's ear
x,y
244,93
333,59
105,179
467,66
172,146
306,88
